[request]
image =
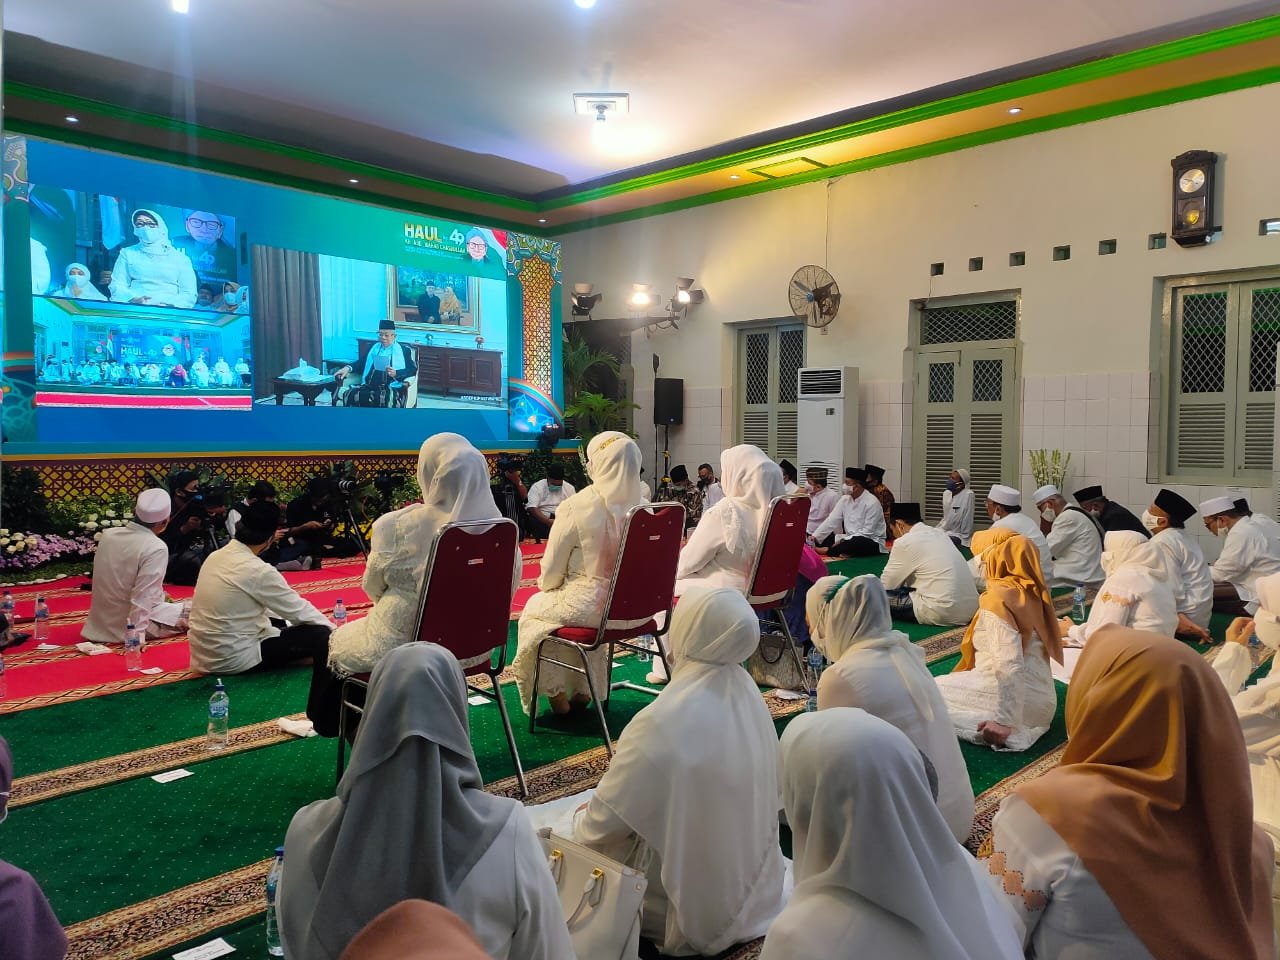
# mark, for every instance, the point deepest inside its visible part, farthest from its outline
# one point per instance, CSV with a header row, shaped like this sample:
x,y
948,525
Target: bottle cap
x,y
279,852
130,626
218,685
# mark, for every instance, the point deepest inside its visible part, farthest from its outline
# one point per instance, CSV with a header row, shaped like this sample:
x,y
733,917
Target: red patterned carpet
x,y
41,677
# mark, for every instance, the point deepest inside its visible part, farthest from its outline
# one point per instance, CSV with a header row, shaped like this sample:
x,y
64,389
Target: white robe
x,y
1251,551
957,515
1060,908
707,560
1076,548
167,278
863,517
1258,708
128,587
1023,525
1007,685
821,503
926,560
1188,574
1130,597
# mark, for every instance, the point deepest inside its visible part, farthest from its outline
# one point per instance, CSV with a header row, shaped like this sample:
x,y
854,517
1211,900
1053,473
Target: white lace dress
x,y
1007,685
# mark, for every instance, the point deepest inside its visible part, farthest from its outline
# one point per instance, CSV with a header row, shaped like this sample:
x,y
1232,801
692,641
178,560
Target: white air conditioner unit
x,y
1275,448
827,403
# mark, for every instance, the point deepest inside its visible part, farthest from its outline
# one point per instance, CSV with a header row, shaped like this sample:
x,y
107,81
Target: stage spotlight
x,y
641,298
583,300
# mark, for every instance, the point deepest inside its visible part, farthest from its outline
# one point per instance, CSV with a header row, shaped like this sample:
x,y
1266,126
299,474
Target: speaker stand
x,y
666,454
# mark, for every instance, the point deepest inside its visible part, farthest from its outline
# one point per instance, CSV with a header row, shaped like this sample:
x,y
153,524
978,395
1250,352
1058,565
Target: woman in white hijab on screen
x,y
454,480
722,547
78,286
576,569
411,819
878,874
879,669
1136,593
692,792
153,271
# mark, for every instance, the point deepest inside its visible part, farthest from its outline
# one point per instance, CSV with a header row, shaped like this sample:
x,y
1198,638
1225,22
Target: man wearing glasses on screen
x,y
212,256
388,368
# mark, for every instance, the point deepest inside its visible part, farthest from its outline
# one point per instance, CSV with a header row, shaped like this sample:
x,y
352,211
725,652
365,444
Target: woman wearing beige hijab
x,y
1141,843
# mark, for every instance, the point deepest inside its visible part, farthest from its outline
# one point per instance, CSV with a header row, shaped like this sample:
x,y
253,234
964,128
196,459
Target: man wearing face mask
x,y
926,577
28,928
1073,540
153,272
1190,578
1258,706
78,286
1004,507
957,508
709,484
1107,514
822,500
685,494
1248,554
544,497
855,527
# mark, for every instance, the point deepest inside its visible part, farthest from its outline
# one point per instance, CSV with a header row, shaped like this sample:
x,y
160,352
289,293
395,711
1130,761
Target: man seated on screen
x,y
244,615
388,367
222,373
243,372
544,497
200,372
128,577
429,304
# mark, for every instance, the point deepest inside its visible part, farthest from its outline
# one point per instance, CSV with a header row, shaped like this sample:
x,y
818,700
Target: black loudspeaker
x,y
668,401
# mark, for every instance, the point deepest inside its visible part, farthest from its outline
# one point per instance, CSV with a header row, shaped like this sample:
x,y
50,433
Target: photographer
x,y
307,527
261,490
183,536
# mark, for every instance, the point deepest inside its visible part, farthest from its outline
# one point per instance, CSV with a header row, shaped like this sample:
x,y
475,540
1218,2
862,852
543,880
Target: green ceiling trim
x,y
1103,111
229,168
200,132
1070,76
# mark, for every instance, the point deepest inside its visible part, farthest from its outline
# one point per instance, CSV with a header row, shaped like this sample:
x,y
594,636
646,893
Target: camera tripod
x,y
347,527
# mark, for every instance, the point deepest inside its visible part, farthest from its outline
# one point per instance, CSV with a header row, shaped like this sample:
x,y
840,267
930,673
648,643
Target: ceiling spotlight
x,y
181,6
601,105
542,219
683,286
352,180
583,300
641,298
1015,110
585,4
734,176
72,119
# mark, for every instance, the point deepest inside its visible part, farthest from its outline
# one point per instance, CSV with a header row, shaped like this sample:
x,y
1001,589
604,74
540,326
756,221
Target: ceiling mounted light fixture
x,y
585,4
584,300
72,119
641,298
601,105
180,6
1015,111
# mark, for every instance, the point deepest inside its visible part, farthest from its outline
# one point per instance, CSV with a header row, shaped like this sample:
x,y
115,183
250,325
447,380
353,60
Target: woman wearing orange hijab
x,y
1001,693
1141,844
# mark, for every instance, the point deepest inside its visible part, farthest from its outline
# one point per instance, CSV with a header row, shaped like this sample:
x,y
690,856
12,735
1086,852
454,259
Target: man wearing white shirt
x,y
1261,519
855,527
822,500
1249,553
926,578
709,484
128,577
789,485
957,508
544,496
1189,574
244,614
1073,539
1004,507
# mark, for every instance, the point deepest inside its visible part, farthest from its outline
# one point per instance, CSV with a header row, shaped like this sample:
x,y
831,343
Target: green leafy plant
x,y
1049,466
579,361
595,413
23,505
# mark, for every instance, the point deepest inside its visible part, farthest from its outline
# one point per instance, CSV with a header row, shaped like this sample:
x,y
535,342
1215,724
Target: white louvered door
x,y
768,358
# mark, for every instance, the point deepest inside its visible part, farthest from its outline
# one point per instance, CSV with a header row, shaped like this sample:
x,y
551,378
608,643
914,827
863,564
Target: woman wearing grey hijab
x,y
411,819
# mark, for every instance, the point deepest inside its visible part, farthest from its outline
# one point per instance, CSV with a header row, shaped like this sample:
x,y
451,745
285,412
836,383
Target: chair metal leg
x,y
595,699
342,730
511,736
533,696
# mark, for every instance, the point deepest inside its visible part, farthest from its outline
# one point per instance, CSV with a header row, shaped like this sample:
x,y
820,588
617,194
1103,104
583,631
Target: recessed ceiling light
x,y
73,119
181,6
352,180
1015,110
734,176
585,4
542,219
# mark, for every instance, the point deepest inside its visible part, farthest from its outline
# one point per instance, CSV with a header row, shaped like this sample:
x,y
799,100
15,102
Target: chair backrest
x,y
644,577
466,592
777,563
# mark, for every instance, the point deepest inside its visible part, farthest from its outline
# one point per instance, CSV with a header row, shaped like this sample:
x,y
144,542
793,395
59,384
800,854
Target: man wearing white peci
x,y
1004,507
1072,537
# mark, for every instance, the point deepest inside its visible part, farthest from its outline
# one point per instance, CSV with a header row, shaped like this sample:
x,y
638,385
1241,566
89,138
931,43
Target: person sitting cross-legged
x,y
855,527
927,579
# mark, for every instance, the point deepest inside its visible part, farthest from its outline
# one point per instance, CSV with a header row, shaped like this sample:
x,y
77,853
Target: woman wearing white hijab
x,y
1136,593
411,819
153,271
723,545
878,874
454,480
78,286
692,791
576,569
879,669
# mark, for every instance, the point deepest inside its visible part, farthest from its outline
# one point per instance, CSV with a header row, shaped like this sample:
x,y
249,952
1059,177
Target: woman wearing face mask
x,y
235,298
957,507
152,271
1136,593
28,928
78,286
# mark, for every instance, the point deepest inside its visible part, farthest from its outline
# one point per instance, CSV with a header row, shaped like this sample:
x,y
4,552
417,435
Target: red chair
x,y
465,608
642,588
776,568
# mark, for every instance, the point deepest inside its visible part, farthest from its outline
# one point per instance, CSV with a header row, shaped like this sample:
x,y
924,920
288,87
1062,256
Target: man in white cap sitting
x,y
1004,507
1073,539
128,577
1249,553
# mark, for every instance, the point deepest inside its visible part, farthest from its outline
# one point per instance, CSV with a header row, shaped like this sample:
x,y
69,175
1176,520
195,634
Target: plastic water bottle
x,y
219,717
42,620
4,681
645,655
274,947
1077,605
339,612
132,648
6,606
816,664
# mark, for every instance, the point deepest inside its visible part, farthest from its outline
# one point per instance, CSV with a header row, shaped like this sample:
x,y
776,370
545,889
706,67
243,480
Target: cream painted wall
x,y
879,231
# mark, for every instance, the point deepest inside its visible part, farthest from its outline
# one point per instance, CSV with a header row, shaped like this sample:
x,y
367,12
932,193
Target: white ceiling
x,y
479,92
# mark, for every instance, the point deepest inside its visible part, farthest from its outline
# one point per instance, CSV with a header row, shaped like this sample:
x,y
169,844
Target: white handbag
x,y
600,897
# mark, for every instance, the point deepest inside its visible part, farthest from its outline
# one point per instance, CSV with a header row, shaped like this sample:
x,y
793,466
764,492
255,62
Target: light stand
x,y
662,480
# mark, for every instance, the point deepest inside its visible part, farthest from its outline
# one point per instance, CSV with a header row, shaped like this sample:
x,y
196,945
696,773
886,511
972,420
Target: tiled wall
x,y
885,432
706,431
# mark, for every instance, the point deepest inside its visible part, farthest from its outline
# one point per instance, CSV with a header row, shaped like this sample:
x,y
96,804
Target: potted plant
x,y
1049,467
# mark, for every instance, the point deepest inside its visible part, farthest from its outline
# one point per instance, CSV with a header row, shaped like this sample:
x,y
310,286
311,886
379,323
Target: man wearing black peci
x,y
1108,514
429,305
